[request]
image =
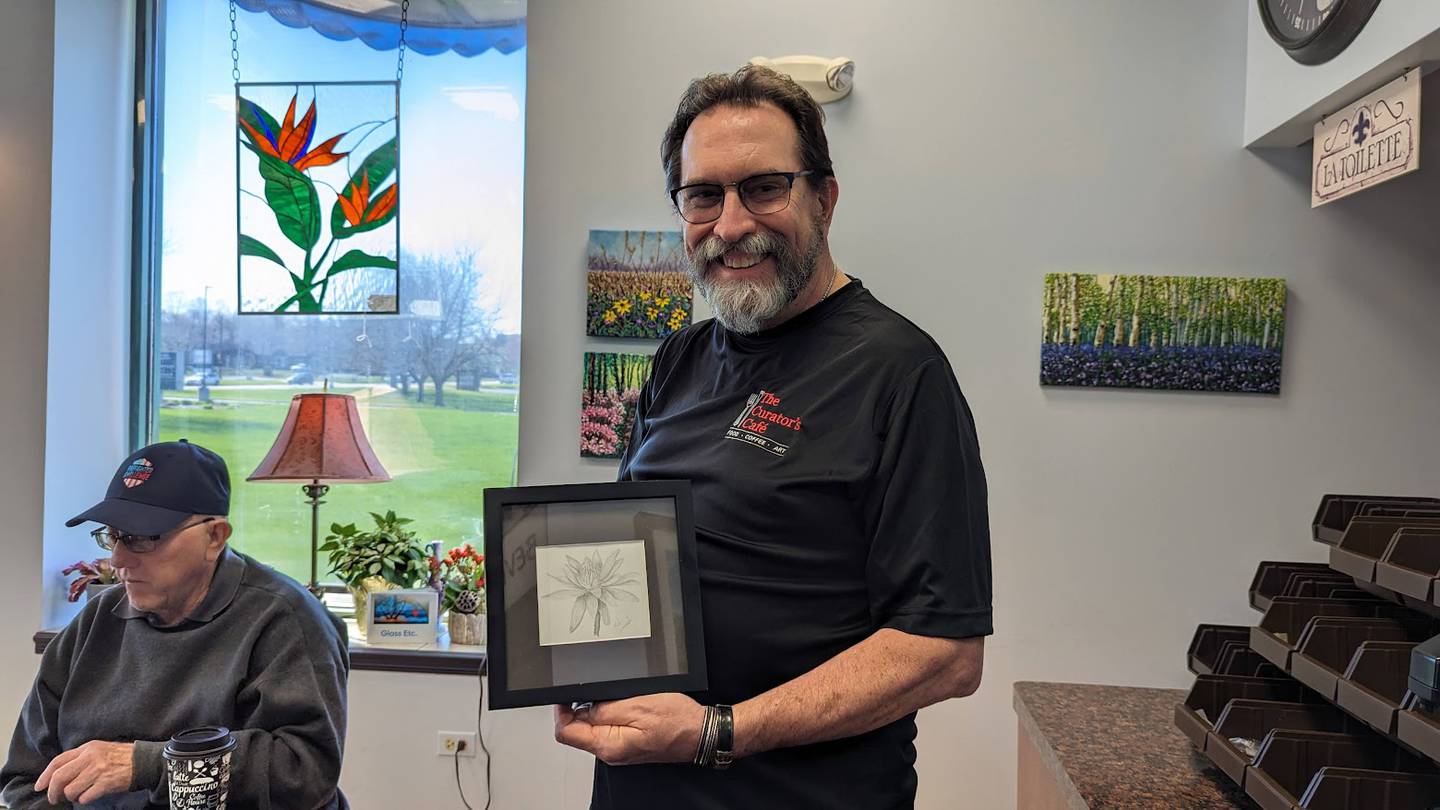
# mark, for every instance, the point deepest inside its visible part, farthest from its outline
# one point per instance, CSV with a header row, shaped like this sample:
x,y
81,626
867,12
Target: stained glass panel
x,y
318,204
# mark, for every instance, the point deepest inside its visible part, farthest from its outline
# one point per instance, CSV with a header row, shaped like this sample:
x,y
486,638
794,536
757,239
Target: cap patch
x,y
138,472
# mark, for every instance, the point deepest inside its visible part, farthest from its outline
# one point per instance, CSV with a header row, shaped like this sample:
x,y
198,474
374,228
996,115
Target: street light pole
x,y
205,348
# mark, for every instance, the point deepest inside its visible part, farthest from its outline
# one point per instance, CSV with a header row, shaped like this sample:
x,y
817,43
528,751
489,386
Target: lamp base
x,y
314,491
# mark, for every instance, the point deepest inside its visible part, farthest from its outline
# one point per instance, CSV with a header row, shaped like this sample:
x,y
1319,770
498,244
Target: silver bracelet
x,y
709,736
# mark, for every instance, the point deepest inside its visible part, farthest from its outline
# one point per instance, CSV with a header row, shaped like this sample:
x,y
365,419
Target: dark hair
x,y
750,86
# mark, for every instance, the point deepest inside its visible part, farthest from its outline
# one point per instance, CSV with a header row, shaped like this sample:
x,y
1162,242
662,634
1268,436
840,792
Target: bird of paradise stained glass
x,y
319,197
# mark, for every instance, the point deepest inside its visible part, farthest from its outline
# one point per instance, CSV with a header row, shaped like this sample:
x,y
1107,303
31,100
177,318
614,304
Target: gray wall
x,y
985,145
26,58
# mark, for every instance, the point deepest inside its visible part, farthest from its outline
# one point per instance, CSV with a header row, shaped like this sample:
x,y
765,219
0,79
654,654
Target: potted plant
x,y
95,576
386,557
462,580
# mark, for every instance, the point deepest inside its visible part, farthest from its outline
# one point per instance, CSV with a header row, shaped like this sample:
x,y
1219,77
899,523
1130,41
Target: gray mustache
x,y
756,244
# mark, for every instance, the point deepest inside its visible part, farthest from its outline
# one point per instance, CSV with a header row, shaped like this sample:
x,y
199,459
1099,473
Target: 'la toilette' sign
x,y
1375,139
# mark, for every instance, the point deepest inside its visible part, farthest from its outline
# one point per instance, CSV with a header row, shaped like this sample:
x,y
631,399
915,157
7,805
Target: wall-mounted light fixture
x,y
827,79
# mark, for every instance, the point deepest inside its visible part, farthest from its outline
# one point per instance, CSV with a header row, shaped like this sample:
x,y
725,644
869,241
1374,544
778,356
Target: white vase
x,y
466,628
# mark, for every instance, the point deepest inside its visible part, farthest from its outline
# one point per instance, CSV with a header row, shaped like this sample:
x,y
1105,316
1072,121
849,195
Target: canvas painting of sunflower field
x,y
318,169
636,284
609,392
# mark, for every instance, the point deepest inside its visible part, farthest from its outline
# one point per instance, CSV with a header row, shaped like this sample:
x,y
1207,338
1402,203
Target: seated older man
x,y
200,635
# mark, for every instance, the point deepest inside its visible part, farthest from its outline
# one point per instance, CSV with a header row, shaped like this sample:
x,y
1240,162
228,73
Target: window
x,y
437,384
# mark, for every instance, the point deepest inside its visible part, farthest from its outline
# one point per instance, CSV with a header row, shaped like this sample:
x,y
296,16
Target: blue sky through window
x,y
462,148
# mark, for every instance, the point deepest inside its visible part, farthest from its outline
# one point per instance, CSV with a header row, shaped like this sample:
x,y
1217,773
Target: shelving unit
x,y
1309,708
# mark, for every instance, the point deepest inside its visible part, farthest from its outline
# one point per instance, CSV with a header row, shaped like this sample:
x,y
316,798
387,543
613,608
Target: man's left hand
x,y
82,775
653,728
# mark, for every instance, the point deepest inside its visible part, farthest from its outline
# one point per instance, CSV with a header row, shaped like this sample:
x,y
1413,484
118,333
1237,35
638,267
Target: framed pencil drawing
x,y
594,593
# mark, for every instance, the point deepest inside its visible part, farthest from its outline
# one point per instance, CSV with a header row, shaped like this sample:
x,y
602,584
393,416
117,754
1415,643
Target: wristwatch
x,y
725,739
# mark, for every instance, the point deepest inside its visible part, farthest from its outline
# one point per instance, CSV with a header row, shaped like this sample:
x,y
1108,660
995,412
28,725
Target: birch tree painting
x,y
1170,332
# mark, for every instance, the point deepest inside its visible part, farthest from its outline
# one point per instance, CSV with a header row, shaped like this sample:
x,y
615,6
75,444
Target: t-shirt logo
x,y
762,424
138,472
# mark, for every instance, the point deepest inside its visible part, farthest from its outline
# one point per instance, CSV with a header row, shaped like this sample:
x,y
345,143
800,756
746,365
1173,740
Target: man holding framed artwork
x,y
839,499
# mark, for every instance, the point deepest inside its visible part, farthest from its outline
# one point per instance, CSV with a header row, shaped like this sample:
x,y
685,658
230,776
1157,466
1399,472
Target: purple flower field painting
x,y
1165,332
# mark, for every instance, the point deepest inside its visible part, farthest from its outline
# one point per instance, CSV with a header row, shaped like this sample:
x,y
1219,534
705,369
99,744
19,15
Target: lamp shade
x,y
322,440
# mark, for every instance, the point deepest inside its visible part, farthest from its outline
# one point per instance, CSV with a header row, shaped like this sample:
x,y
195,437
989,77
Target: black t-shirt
x,y
838,490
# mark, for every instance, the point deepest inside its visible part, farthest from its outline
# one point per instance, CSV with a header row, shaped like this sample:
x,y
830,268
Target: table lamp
x,y
322,442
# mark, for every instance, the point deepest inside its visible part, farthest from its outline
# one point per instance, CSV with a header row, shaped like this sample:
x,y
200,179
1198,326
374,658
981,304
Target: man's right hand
x,y
82,775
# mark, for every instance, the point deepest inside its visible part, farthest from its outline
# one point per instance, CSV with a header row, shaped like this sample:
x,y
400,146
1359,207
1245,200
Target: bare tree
x,y
459,336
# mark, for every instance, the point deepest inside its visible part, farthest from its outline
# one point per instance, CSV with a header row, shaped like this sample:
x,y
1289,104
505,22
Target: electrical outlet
x,y
448,741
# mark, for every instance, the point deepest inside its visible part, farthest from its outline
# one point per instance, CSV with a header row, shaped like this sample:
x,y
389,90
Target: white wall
x,y
26,55
985,145
89,392
1284,99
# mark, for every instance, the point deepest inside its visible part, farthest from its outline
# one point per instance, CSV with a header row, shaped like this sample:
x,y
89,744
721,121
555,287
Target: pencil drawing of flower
x,y
594,584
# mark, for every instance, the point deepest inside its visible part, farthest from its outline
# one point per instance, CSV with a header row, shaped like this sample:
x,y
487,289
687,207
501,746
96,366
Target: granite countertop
x,y
1116,747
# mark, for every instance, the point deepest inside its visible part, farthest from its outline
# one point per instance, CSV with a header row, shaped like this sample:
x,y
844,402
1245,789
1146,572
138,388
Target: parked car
x,y
301,378
210,377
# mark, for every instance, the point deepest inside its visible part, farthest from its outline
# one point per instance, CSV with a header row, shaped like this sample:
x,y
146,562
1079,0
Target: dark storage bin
x,y
1374,684
1327,644
1254,719
1411,564
1367,539
1335,512
1273,579
1355,789
1282,624
1418,727
1288,762
1211,693
1239,659
1209,642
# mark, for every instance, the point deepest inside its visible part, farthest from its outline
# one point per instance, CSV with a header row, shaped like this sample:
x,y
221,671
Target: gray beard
x,y
743,305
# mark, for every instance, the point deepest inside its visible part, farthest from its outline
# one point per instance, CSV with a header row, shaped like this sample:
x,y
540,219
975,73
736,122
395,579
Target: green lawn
x,y
440,459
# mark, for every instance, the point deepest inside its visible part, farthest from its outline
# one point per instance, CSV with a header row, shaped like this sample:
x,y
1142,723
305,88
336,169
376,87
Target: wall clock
x,y
1315,31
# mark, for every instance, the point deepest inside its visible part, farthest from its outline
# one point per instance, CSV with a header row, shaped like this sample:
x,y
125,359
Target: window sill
x,y
440,658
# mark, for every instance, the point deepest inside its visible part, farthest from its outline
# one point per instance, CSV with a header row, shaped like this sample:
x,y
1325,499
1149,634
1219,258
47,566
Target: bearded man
x,y
840,503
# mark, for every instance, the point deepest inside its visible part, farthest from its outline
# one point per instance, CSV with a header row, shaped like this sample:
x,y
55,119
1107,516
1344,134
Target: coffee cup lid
x,y
201,740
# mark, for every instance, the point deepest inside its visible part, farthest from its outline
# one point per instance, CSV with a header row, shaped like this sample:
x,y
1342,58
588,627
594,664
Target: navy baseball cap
x,y
159,486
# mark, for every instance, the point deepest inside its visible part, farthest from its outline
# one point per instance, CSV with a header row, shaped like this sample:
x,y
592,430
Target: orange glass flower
x,y
357,206
292,143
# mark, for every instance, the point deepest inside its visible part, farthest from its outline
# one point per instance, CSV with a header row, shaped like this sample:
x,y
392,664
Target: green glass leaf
x,y
255,115
291,196
250,246
359,258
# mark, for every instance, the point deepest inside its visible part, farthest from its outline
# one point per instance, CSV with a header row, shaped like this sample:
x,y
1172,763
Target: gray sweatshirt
x,y
260,656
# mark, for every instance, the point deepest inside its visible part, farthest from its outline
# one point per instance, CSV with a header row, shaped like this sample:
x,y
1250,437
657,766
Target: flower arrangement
x,y
462,577
94,572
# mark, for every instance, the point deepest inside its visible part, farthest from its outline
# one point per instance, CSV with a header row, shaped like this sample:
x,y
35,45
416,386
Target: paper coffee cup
x,y
197,767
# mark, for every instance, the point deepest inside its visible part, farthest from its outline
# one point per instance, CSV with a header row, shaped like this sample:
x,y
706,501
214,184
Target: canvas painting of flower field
x,y
1168,332
636,284
610,390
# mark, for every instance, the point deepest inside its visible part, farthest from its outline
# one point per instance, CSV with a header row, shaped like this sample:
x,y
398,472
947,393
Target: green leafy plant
x,y
389,551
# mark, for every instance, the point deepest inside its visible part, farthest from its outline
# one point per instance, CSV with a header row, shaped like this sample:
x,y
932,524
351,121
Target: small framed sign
x,y
403,617
594,593
1374,139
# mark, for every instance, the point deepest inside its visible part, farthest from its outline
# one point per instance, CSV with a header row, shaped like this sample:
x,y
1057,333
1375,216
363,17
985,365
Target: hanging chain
x,y
404,24
234,46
